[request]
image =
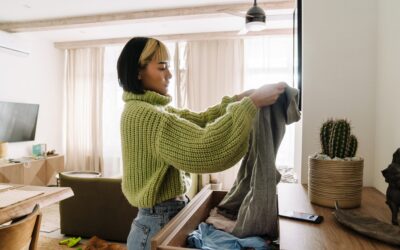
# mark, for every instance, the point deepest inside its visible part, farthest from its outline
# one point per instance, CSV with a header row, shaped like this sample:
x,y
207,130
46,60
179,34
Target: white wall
x,y
387,88
37,78
339,73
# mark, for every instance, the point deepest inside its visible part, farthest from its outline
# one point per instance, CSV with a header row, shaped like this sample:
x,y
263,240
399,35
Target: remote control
x,y
313,218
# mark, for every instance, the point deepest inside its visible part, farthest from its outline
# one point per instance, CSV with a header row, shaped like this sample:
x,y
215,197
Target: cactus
x,y
325,135
351,148
340,134
336,139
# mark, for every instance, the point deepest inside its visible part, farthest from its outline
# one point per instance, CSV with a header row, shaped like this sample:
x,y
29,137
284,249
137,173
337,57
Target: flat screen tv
x,y
18,121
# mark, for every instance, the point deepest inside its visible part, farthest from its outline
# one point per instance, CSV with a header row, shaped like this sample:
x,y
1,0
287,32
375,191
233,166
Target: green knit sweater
x,y
161,143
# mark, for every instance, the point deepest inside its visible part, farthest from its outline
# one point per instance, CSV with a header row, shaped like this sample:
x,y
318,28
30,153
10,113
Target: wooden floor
x,y
50,229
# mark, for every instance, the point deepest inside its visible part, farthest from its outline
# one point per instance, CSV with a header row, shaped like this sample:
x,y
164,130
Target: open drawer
x,y
174,234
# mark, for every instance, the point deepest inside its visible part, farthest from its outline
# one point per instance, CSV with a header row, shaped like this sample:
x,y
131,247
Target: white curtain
x,y
83,108
112,109
214,69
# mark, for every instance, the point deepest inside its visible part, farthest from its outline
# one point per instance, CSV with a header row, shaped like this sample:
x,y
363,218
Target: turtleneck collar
x,y
149,96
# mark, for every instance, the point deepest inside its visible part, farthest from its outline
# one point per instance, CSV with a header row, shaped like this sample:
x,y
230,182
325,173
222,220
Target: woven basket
x,y
330,181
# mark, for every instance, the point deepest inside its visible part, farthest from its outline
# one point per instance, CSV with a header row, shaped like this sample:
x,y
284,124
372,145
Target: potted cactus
x,y
336,174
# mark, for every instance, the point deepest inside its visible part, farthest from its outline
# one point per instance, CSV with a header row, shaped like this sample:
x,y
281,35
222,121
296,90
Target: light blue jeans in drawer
x,y
150,221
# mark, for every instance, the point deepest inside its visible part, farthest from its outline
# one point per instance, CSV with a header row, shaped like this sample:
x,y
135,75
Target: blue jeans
x,y
149,221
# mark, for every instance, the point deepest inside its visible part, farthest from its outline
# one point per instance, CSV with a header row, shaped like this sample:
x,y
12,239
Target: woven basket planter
x,y
333,180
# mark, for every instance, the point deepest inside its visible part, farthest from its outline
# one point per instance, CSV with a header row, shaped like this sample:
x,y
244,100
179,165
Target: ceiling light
x,y
255,26
255,18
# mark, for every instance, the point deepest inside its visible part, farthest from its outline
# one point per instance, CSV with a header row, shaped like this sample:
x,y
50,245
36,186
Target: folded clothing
x,y
220,222
207,237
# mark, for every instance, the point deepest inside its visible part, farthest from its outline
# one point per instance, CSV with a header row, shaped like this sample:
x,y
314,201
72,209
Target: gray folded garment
x,y
252,199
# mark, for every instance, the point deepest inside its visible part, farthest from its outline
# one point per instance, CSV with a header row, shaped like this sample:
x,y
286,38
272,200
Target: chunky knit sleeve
x,y
202,118
216,147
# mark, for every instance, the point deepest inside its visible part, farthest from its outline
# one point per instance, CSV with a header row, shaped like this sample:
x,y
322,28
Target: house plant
x,y
336,174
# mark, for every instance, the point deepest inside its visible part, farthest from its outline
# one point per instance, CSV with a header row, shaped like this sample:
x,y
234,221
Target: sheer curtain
x,y
112,109
83,108
213,69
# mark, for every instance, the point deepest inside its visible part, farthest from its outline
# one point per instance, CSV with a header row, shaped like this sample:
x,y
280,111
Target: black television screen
x,y
18,121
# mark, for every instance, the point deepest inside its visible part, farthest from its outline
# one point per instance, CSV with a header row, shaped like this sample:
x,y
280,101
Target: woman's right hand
x,y
267,94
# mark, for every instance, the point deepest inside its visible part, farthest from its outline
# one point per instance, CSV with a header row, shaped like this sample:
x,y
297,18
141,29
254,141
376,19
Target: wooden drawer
x,y
174,234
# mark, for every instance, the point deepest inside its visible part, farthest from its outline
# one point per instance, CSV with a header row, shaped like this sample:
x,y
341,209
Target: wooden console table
x,y
39,172
329,234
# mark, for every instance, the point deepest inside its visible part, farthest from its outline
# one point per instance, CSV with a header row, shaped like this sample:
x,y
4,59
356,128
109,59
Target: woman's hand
x,y
267,94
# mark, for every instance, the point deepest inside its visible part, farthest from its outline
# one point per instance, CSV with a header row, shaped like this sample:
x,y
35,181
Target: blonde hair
x,y
154,50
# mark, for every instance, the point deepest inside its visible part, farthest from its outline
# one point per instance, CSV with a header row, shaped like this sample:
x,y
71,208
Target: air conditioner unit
x,y
13,43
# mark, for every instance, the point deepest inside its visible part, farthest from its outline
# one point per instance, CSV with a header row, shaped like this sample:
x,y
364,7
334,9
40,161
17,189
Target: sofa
x,y
98,208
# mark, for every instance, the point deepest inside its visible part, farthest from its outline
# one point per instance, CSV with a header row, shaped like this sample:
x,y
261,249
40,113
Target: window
x,y
269,59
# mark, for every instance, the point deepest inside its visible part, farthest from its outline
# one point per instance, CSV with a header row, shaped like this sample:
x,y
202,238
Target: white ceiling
x,y
29,10
23,10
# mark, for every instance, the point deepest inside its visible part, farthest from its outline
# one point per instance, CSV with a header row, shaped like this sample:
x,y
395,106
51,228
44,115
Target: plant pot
x,y
335,180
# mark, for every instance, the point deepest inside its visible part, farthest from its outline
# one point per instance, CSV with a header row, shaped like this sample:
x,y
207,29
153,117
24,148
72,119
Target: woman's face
x,y
155,77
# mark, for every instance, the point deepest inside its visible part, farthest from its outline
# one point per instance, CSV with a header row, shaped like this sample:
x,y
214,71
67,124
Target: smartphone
x,y
313,218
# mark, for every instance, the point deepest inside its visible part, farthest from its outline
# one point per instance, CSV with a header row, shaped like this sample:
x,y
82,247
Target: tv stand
x,y
40,172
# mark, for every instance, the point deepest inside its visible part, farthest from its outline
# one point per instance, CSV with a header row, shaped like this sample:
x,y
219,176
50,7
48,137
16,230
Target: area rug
x,y
48,227
50,219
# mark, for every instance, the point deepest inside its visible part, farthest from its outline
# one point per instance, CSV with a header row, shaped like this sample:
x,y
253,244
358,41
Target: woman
x,y
160,144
